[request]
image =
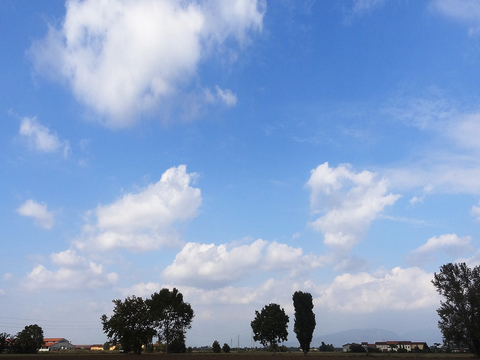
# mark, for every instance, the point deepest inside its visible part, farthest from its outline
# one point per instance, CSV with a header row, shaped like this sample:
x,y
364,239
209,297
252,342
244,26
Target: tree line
x,y
27,341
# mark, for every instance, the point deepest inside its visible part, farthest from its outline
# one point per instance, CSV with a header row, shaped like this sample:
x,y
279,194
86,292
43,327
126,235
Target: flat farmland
x,y
232,356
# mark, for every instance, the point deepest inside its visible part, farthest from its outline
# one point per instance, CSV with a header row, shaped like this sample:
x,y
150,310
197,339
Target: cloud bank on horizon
x,y
333,151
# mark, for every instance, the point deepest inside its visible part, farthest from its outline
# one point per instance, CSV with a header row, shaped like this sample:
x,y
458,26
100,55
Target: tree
x,y
129,325
30,339
226,348
270,325
170,317
304,319
216,347
324,347
460,312
4,342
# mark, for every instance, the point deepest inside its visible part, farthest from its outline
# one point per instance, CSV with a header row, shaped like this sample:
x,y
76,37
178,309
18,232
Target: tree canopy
x,y
30,339
304,319
460,311
270,325
170,316
129,325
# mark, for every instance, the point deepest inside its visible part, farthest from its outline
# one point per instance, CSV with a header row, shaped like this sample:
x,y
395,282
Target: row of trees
x,y
27,341
135,322
270,325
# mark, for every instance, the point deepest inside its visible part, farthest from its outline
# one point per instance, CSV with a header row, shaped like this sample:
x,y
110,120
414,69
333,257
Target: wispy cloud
x,y
38,212
41,138
449,243
465,11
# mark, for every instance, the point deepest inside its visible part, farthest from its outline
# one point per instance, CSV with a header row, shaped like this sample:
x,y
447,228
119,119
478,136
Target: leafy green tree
x,y
171,317
226,348
304,319
30,339
216,347
270,325
460,311
129,325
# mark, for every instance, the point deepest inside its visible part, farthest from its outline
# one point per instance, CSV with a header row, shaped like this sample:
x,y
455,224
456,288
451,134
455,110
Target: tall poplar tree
x,y
304,319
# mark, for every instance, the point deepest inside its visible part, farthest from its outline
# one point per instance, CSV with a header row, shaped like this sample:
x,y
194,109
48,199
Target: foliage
x,y
4,342
304,319
170,317
30,339
106,346
460,312
129,325
177,345
357,348
270,325
373,349
216,347
324,347
226,348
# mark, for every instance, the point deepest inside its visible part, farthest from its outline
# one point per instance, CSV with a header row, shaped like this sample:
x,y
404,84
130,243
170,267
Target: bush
x,y
216,347
226,348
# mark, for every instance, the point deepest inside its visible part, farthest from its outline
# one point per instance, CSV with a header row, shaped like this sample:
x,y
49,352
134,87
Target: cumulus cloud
x,y
209,265
42,217
145,220
449,243
41,138
465,11
398,289
350,201
75,272
123,59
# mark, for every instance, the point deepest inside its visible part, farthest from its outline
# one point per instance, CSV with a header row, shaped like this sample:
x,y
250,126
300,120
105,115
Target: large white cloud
x,y
38,212
350,201
145,220
41,138
123,58
209,265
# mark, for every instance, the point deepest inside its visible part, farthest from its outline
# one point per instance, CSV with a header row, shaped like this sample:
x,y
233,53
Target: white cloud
x,y
449,243
88,276
7,276
209,265
398,289
41,138
146,220
466,11
475,211
38,212
123,59
350,201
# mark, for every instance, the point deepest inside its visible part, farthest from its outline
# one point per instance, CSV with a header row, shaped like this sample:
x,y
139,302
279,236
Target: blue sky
x,y
239,151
